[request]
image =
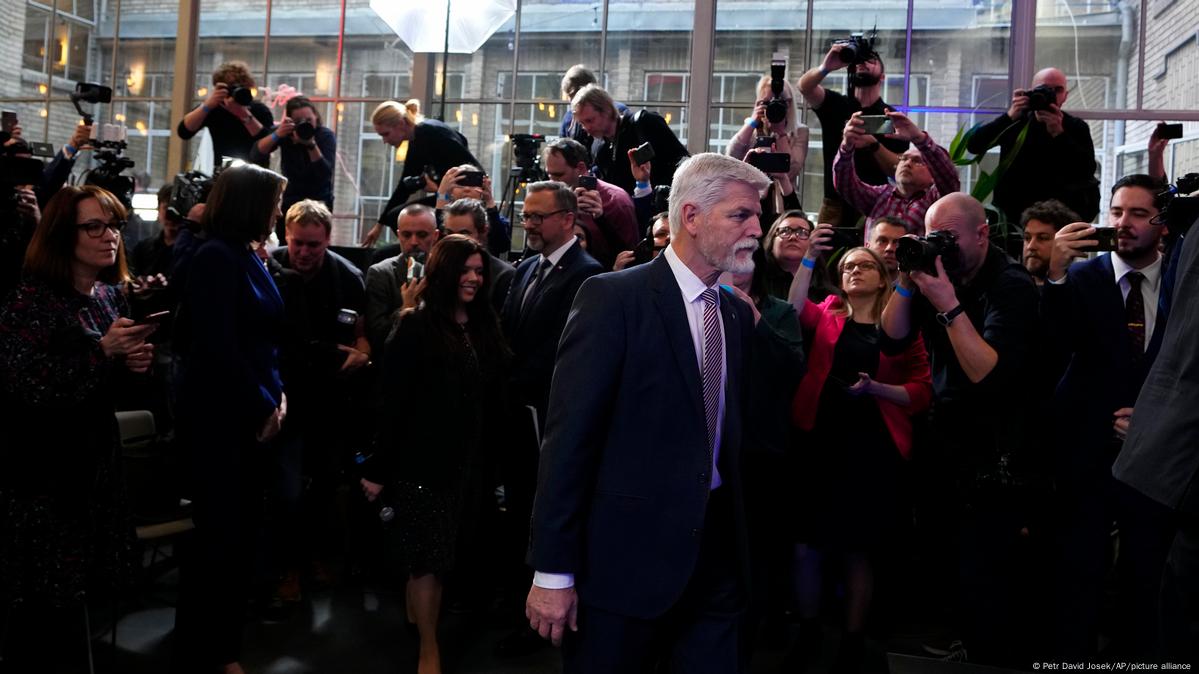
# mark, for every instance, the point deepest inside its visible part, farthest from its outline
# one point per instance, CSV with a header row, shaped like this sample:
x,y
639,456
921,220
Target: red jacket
x,y
910,370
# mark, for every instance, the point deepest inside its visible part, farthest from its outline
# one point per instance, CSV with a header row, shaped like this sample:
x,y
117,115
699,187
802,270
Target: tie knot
x,y
709,296
1134,278
545,265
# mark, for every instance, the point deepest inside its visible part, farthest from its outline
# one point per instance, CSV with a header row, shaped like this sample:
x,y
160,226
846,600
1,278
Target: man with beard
x,y
1105,314
875,157
977,311
638,534
1040,223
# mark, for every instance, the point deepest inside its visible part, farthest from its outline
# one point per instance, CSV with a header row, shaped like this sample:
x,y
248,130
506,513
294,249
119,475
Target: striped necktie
x,y
713,365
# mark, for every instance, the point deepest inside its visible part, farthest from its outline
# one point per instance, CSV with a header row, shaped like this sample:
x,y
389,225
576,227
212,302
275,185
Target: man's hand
x,y
937,289
820,241
1019,105
286,126
449,181
354,358
623,259
27,204
410,292
641,172
590,202
550,612
905,128
1067,247
81,137
487,196
854,136
1122,419
140,359
1052,119
370,489
833,60
372,235
760,116
218,96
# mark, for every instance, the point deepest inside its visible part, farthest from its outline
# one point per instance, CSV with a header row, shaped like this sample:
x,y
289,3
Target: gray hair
x,y
576,77
702,180
595,96
564,197
472,207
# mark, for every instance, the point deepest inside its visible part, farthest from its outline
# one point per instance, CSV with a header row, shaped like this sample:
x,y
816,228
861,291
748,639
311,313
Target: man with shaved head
x,y
1057,160
977,310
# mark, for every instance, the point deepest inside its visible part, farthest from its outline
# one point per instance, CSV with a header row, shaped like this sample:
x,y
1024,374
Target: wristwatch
x,y
947,317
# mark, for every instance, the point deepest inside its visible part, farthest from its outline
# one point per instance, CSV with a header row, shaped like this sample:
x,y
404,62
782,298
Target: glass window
x,y
1082,38
303,49
649,52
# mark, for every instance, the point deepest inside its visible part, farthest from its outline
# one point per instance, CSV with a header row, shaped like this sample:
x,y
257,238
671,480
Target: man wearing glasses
x,y
533,318
1057,159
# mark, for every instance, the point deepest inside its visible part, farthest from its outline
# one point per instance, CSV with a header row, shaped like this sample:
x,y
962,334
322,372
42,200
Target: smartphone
x,y
8,121
42,150
1167,131
1108,241
878,124
644,251
643,153
153,318
846,237
771,162
470,179
588,182
764,141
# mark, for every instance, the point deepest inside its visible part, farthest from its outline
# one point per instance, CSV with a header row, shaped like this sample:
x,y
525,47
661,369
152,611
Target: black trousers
x,y
1180,595
699,635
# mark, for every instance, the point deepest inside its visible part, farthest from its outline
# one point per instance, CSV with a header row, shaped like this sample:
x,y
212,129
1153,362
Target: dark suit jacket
x,y
612,160
625,468
502,275
1161,455
1085,318
533,337
434,143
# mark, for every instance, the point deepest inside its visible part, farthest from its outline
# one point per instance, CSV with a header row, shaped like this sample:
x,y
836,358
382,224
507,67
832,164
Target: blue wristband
x,y
755,124
275,137
205,108
70,147
447,196
904,292
808,262
824,72
643,184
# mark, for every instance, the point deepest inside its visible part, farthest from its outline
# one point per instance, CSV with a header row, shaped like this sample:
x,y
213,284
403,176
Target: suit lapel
x,y
669,300
554,278
516,294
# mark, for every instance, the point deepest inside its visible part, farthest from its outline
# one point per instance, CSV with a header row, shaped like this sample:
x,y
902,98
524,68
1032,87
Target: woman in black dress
x,y
65,533
442,366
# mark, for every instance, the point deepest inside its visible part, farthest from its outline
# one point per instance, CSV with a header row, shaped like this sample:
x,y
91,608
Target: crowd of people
x,y
653,434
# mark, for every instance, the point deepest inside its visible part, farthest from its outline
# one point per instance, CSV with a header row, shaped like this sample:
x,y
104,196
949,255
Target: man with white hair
x,y
638,536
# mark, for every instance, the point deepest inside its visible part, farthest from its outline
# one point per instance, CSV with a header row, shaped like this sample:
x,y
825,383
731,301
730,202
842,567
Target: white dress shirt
x,y
1150,289
692,289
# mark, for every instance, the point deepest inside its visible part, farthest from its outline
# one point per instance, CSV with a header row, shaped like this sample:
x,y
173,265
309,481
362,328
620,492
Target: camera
x,y
661,199
109,142
920,254
305,130
241,95
776,107
1176,210
857,48
16,171
187,190
417,182
1041,97
526,151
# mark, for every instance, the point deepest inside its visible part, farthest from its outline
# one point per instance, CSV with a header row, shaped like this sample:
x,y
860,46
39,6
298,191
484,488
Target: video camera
x,y
920,254
857,48
187,190
526,151
109,142
1177,211
776,107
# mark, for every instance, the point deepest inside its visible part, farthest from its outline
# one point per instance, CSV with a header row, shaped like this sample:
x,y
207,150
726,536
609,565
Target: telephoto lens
x,y
305,130
241,95
920,254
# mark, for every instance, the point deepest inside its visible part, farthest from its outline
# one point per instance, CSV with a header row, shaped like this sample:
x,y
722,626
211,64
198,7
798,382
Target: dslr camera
x,y
857,48
305,130
776,107
241,95
920,254
1177,211
417,182
1041,97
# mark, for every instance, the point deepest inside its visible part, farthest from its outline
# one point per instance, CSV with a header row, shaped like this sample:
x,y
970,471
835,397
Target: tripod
x,y
518,177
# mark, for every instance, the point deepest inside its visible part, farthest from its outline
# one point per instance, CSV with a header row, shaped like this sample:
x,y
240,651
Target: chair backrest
x,y
137,429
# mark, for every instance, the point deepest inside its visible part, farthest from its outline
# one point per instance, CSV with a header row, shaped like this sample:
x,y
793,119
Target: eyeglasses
x,y
792,233
538,218
96,228
849,267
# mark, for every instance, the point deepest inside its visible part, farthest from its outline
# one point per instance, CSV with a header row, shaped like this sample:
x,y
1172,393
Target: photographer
x,y
576,77
231,115
152,257
621,132
922,174
58,171
606,213
307,152
1057,159
874,158
432,145
1105,314
977,310
788,136
657,239
451,189
1040,223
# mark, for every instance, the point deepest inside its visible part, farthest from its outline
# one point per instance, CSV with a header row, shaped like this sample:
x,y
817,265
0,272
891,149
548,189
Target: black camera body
x,y
305,130
857,48
187,190
1176,210
776,107
1041,97
417,182
16,171
241,95
920,254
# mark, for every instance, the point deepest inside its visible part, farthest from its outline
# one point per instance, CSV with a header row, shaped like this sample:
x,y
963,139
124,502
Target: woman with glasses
x,y
231,405
853,409
787,135
786,244
444,366
64,336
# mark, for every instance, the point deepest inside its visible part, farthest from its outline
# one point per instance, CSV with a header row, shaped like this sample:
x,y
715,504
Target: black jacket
x,y
433,144
612,160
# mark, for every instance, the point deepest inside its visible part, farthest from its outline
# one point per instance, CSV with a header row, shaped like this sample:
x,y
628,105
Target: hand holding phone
x,y
877,125
643,153
1165,131
153,319
587,182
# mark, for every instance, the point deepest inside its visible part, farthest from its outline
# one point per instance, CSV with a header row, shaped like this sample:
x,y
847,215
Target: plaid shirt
x,y
877,201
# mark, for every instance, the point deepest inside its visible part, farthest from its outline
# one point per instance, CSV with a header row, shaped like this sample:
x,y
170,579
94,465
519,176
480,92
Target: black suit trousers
x,y
698,635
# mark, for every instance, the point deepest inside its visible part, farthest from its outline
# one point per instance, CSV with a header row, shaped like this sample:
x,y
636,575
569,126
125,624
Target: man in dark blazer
x,y
533,316
1160,458
388,280
638,536
1105,314
615,133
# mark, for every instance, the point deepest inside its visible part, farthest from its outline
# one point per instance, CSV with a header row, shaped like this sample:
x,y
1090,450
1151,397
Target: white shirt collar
x,y
689,283
1151,272
556,256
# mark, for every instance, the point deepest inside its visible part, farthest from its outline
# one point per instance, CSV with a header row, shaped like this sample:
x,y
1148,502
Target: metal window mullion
x,y
1023,40
46,70
515,70
116,39
907,56
1141,56
266,46
699,86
